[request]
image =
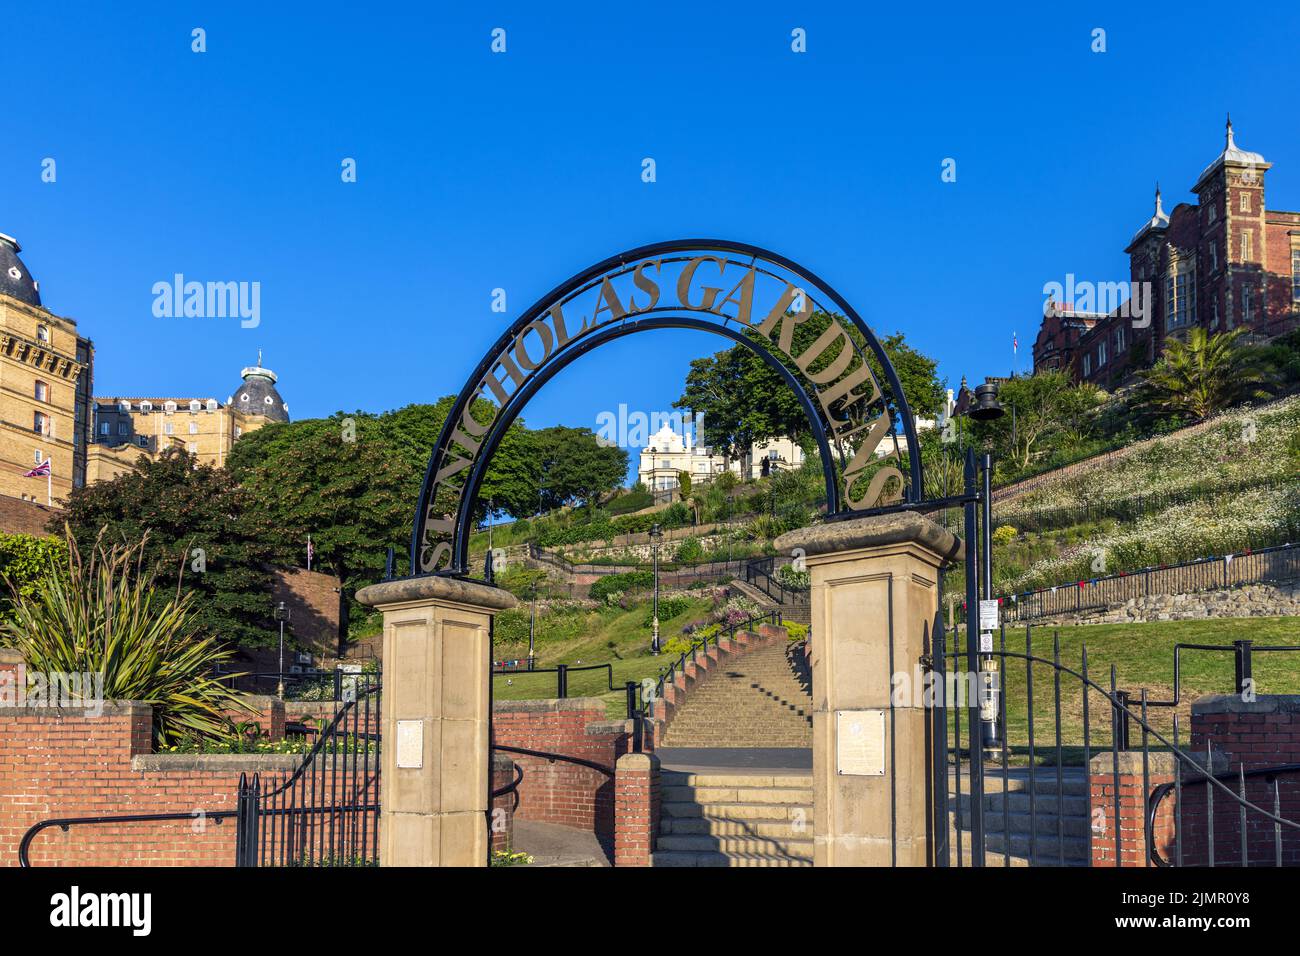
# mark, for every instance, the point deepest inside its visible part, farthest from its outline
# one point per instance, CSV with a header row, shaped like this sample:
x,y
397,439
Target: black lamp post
x,y
281,614
655,534
986,408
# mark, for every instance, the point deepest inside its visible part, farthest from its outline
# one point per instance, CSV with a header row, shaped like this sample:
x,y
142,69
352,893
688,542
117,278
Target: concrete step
x,y
770,829
1045,824
705,843
1018,856
685,778
737,812
1073,783
1042,803
731,793
689,858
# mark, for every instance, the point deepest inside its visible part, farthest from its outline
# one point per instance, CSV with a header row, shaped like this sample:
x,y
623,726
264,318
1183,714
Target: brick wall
x,y
636,809
313,599
60,762
556,791
1250,736
1234,735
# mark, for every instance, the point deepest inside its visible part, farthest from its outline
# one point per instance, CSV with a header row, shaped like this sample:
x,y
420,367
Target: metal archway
x,y
458,464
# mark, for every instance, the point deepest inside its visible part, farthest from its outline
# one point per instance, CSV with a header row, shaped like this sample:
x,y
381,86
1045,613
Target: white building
x,y
669,453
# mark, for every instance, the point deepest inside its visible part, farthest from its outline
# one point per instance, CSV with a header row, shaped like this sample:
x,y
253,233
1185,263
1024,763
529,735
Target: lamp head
x,y
987,408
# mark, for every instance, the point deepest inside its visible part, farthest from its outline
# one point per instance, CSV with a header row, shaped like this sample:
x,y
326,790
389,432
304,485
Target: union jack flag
x,y
40,471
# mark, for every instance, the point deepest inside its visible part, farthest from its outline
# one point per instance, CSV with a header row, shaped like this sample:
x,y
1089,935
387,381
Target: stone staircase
x,y
1009,801
759,698
734,819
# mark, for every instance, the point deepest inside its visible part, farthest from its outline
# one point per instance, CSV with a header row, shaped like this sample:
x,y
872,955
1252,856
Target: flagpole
x,y
49,483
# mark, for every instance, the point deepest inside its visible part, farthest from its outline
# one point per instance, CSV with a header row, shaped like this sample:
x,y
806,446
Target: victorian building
x,y
1223,262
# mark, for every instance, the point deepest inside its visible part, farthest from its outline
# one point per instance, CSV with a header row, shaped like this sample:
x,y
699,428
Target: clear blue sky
x,y
478,171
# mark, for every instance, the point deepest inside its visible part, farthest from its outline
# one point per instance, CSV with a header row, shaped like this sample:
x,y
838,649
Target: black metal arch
x,y
588,341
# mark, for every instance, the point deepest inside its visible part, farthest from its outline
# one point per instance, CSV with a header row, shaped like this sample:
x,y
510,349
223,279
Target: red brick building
x,y
1222,263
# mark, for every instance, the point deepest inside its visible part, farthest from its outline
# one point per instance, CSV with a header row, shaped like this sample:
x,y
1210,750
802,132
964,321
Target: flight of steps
x,y
762,698
734,819
1015,796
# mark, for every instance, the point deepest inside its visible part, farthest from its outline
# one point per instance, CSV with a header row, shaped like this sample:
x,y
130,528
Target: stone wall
x,y
1256,600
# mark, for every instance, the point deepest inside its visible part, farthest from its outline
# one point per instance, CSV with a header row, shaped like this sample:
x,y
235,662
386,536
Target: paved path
x,y
550,844
742,759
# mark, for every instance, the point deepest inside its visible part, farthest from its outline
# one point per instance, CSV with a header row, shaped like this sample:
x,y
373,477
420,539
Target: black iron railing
x,y
561,672
762,574
1280,563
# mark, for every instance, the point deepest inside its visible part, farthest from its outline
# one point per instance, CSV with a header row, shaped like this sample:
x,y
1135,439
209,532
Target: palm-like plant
x,y
105,615
1204,374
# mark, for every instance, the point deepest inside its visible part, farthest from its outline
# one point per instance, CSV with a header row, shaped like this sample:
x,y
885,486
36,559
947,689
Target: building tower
x,y
45,388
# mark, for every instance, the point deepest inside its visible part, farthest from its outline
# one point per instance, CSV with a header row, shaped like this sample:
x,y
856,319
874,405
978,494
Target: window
x,y
146,407
1169,300
125,407
1101,354
38,456
169,407
143,440
167,428
1295,274
212,404
1119,340
42,391
124,428
1215,322
1214,255
40,423
1245,202
1247,306
238,431
1214,210
1245,246
195,405
43,333
103,428
1087,365
192,448
194,428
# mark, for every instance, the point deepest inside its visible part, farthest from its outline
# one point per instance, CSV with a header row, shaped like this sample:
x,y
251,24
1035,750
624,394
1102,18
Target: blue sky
x,y
479,170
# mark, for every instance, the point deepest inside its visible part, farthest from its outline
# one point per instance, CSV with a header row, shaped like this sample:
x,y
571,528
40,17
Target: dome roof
x,y
256,395
15,280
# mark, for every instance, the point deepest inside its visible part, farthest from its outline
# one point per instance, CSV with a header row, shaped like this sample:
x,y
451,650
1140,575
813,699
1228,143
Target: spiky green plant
x,y
105,614
1204,375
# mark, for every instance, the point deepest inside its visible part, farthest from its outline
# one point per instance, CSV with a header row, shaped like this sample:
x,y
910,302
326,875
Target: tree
x,y
684,484
1204,375
1049,410
199,521
575,467
24,560
743,400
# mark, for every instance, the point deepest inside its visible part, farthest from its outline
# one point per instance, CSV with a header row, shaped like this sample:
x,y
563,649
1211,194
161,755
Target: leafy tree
x,y
1204,374
198,521
1050,411
24,560
575,467
743,400
684,484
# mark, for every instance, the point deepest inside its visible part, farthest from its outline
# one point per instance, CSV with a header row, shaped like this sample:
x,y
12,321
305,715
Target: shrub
x,y
689,551
1004,535
104,616
621,582
796,630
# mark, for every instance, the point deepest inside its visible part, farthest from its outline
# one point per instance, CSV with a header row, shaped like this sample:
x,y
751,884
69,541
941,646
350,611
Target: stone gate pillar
x,y
875,599
434,719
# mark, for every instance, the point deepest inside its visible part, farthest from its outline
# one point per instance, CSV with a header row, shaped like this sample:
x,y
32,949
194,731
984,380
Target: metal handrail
x,y
63,823
546,755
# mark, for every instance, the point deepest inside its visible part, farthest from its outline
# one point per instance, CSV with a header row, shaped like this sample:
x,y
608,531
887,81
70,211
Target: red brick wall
x,y
503,807
1235,735
558,791
636,809
62,763
1250,735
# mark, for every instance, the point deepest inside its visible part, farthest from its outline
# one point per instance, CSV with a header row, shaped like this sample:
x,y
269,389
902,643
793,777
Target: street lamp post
x,y
655,534
282,614
987,408
532,627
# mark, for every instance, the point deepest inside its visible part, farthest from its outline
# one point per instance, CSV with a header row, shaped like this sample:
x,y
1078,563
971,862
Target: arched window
x,y
43,333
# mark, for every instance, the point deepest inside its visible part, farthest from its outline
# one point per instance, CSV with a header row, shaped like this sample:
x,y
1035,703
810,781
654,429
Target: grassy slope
x,y
1143,656
608,635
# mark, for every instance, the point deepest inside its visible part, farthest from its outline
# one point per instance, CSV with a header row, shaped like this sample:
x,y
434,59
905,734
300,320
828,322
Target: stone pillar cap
x,y
433,587
893,528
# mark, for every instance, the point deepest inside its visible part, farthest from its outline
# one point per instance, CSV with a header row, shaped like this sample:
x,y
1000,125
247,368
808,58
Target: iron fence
x,y
326,812
1273,564
762,574
1033,791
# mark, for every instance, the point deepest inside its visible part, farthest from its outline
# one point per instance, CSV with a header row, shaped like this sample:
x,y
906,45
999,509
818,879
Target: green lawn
x,y
610,635
1142,656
